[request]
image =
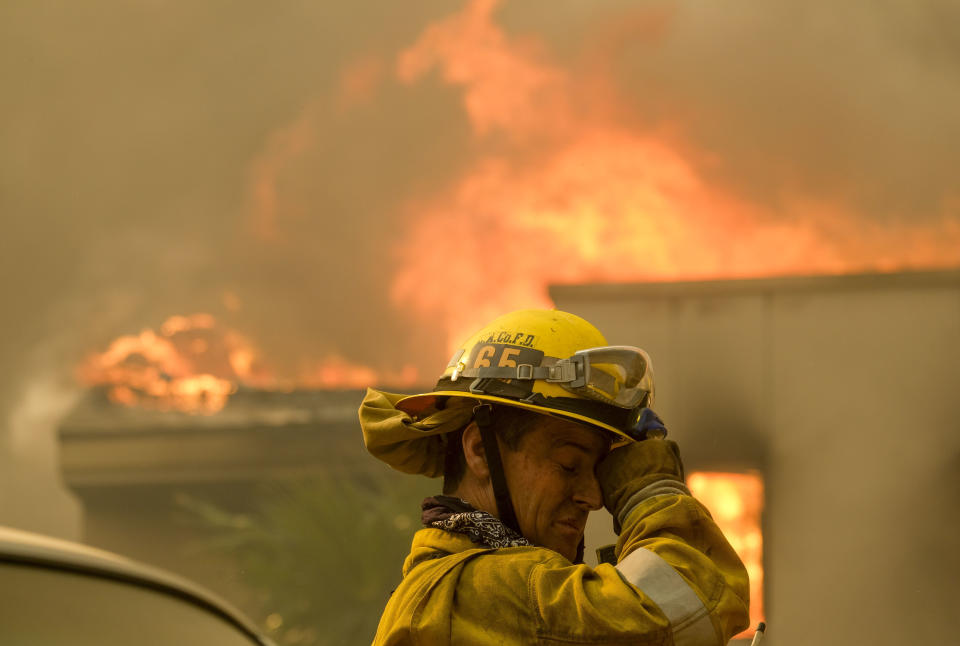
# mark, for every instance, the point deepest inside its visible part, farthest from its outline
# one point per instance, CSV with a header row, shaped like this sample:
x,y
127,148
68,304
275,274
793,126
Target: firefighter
x,y
534,423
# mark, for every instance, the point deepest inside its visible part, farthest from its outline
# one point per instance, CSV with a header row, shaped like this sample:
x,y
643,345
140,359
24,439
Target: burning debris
x,y
193,364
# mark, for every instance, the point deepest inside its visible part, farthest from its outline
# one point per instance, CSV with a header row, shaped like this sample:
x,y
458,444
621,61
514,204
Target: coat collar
x,y
431,543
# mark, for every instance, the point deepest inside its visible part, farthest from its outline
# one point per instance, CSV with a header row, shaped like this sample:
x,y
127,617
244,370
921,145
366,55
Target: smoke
x,y
31,490
854,103
266,163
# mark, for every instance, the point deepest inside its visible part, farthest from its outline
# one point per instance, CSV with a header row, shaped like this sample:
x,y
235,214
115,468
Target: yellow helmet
x,y
551,362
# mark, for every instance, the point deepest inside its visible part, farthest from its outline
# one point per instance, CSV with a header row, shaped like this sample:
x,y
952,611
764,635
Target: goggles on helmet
x,y
615,375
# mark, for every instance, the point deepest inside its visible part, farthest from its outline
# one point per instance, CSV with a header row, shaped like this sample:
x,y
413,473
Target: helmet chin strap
x,y
482,415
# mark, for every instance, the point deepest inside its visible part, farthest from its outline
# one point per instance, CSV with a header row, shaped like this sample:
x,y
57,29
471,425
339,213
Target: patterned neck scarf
x,y
458,516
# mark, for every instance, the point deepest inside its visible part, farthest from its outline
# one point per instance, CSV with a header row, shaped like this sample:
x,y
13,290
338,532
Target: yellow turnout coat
x,y
677,582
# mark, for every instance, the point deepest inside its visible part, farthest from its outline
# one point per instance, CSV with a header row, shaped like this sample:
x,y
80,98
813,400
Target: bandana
x,y
458,516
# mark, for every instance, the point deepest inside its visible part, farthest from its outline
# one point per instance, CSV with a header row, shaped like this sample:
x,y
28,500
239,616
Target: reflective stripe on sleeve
x,y
658,580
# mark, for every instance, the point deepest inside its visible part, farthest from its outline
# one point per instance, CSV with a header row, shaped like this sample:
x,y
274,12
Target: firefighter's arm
x,y
670,549
677,581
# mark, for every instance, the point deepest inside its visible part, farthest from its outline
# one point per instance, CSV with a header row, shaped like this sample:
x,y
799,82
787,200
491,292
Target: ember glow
x,y
736,501
193,364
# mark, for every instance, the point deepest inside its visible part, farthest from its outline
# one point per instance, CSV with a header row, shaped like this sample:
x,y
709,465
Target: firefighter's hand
x,y
637,471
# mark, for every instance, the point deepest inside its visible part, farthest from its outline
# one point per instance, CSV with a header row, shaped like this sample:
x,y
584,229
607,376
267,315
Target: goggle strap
x,y
563,371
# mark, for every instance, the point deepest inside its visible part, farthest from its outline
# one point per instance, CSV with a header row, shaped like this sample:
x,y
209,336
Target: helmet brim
x,y
425,403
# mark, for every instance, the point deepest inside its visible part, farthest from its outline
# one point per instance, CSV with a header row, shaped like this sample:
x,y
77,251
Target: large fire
x,y
736,501
563,183
566,187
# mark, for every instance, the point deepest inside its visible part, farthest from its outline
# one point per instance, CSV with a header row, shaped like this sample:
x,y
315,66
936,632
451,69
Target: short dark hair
x,y
510,423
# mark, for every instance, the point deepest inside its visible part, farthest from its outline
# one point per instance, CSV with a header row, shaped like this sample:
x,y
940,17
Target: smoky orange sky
x,y
367,181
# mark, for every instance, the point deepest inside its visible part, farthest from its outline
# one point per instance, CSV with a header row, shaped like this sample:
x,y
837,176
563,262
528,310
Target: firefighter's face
x,y
553,483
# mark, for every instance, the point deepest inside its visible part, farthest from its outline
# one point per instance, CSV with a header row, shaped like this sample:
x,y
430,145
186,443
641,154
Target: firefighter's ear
x,y
473,452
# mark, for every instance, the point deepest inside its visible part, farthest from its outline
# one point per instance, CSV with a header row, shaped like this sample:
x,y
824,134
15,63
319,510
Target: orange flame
x,y
190,365
193,365
736,501
507,86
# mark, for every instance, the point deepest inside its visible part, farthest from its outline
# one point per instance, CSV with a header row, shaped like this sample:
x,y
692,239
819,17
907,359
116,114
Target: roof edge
x,y
725,287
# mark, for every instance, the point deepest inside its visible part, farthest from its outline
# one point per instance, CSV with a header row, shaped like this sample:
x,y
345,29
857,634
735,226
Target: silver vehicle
x,y
57,593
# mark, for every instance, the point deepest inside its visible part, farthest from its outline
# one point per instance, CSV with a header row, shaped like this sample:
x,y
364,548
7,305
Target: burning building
x,y
814,414
353,194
